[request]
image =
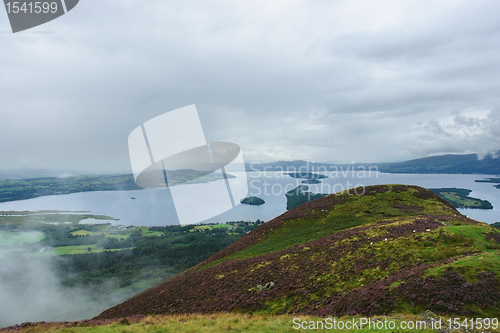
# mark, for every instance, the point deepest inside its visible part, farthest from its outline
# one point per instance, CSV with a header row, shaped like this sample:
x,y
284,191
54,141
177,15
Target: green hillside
x,y
395,248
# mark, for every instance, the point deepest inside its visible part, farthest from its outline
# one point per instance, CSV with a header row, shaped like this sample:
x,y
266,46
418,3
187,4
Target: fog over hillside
x,y
31,291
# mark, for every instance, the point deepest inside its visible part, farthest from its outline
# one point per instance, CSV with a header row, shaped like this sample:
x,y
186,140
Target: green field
x,y
84,233
227,226
28,237
76,249
108,234
29,228
211,226
127,235
147,232
20,221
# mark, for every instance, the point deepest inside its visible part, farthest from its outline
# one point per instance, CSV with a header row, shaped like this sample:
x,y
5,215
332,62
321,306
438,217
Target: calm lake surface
x,y
155,207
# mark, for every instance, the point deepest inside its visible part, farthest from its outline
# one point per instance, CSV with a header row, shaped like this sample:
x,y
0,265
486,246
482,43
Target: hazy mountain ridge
x,y
469,164
344,255
450,164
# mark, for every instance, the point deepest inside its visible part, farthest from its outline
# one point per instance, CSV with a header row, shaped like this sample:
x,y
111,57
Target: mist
x,y
31,291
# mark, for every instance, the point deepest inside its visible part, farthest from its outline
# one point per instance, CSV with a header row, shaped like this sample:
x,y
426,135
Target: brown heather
x,y
342,255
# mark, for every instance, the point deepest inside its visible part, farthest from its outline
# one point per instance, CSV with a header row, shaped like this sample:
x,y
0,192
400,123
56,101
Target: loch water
x,y
156,208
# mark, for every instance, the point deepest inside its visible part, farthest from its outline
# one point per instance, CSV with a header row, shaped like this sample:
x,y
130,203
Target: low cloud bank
x,y
31,291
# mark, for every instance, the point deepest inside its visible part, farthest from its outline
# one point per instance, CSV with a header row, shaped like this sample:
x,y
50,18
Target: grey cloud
x,y
463,134
256,73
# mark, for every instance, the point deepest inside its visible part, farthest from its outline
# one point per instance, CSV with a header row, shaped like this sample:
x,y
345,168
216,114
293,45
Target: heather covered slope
x,y
389,249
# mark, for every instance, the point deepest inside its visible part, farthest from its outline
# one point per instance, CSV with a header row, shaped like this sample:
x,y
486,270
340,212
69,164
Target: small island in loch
x,y
311,181
254,201
459,198
306,175
490,180
299,196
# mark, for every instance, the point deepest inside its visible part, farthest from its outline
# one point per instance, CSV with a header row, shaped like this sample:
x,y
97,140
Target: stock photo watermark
x,y
28,14
354,324
259,179
170,152
205,179
262,187
332,171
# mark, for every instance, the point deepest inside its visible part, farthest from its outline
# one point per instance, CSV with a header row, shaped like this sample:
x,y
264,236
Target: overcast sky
x,y
324,81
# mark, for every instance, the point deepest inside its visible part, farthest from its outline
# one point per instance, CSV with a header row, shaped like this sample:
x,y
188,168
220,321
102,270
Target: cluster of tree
x,y
135,258
253,201
159,257
60,235
489,180
115,243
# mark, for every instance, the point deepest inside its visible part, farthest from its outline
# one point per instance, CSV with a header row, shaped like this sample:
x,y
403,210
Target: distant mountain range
x,y
468,164
450,164
38,173
465,164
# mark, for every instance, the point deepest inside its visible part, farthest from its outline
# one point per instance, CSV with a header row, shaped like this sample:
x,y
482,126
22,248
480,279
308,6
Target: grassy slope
x,y
343,255
216,323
